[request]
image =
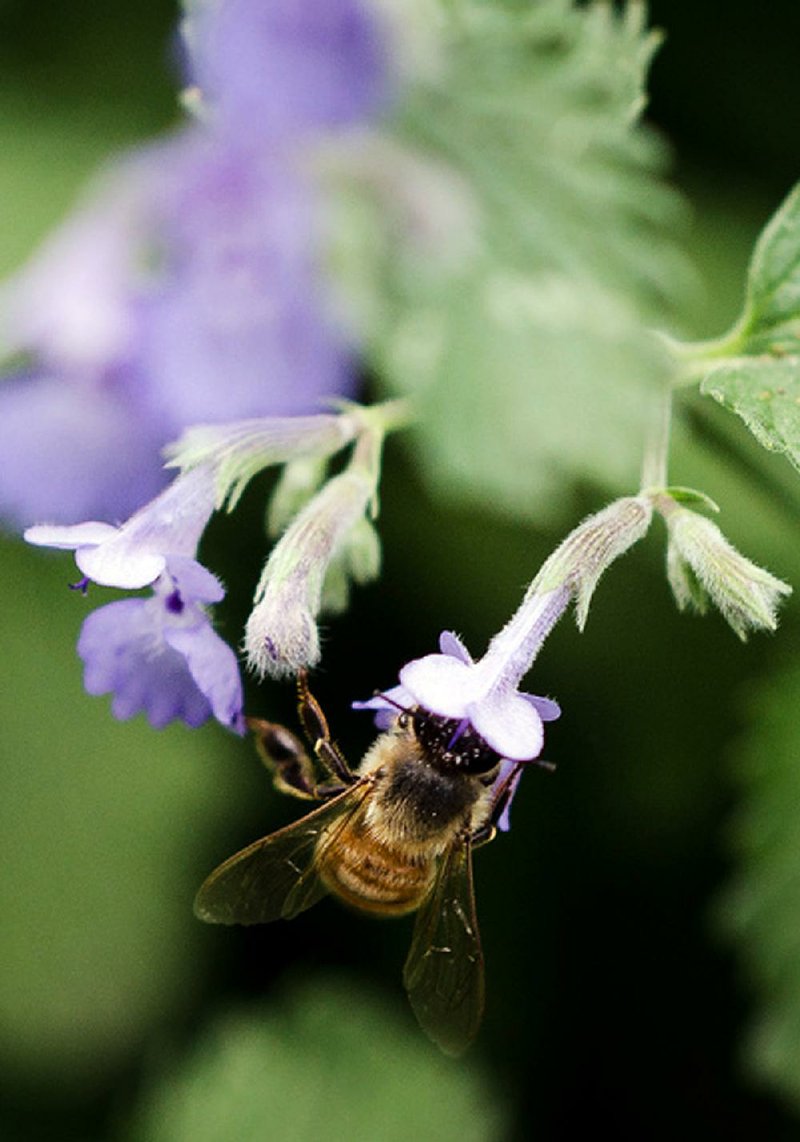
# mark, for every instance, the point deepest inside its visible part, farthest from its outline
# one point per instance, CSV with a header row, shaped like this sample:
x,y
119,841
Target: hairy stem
x,y
655,463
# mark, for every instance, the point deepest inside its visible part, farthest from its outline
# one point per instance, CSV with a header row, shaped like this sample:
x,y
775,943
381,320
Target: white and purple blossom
x,y
483,696
157,654
136,553
452,685
187,286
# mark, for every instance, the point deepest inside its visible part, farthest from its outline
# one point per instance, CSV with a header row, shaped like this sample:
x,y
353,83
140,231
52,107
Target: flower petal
x,y
115,565
509,724
214,668
441,684
69,538
451,644
194,581
170,525
74,450
124,654
283,67
547,709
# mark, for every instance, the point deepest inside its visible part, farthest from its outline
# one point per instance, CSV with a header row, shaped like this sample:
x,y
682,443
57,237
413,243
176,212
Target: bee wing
x,y
444,970
276,876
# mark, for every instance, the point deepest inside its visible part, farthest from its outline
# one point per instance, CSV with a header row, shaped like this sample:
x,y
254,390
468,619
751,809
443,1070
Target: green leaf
x,y
771,320
691,496
331,1062
762,908
512,290
765,393
754,370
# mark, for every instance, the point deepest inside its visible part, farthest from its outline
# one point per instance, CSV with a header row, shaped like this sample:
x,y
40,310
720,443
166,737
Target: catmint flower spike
x,y
281,635
486,692
702,565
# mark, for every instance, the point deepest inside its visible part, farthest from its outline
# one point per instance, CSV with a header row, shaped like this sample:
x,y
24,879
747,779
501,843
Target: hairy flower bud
x,y
281,634
591,548
702,565
330,542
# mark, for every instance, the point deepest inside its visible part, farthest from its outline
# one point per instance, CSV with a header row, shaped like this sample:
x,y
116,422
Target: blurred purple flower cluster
x,y
186,287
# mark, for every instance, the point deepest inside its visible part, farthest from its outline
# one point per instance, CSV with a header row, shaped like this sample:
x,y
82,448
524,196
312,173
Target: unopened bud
x,y
702,565
591,548
281,635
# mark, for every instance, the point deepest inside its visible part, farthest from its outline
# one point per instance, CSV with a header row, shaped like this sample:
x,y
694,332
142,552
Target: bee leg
x,y
502,797
284,756
315,726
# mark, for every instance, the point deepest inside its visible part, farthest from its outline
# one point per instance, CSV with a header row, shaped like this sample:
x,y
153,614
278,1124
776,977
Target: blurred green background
x,y
615,993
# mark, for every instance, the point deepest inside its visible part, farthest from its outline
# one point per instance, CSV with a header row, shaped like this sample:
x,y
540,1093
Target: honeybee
x,y
392,837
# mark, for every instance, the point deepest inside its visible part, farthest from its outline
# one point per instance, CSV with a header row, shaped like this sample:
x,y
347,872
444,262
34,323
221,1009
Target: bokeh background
x,y
617,994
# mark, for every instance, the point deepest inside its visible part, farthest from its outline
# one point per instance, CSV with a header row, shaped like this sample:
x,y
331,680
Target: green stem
x,y
655,464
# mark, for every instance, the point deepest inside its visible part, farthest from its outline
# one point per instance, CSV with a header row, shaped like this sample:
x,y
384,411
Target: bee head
x,y
452,745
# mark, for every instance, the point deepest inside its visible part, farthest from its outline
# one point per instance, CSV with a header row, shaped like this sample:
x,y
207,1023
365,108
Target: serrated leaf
x,y
765,393
527,348
754,370
762,907
771,321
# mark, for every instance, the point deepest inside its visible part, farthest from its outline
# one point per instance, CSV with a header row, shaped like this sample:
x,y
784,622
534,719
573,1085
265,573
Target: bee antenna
x,y
391,701
418,712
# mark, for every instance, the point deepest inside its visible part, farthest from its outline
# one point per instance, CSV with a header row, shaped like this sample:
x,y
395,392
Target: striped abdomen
x,y
372,873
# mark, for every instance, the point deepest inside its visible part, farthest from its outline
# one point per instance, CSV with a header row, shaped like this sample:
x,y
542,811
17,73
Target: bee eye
x,y
402,721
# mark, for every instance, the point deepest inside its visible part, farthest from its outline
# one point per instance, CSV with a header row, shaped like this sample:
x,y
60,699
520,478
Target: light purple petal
x,y
451,644
171,524
115,565
510,725
125,654
238,327
281,67
214,668
71,302
194,581
547,709
440,683
69,537
175,520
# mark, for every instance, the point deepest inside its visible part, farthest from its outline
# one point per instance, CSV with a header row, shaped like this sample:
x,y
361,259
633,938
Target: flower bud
x,y
591,548
702,565
297,483
237,452
281,635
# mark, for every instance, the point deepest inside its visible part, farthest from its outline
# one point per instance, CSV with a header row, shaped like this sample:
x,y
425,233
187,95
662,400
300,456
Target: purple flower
x,y
238,325
135,554
452,685
276,67
186,288
69,449
485,695
158,654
